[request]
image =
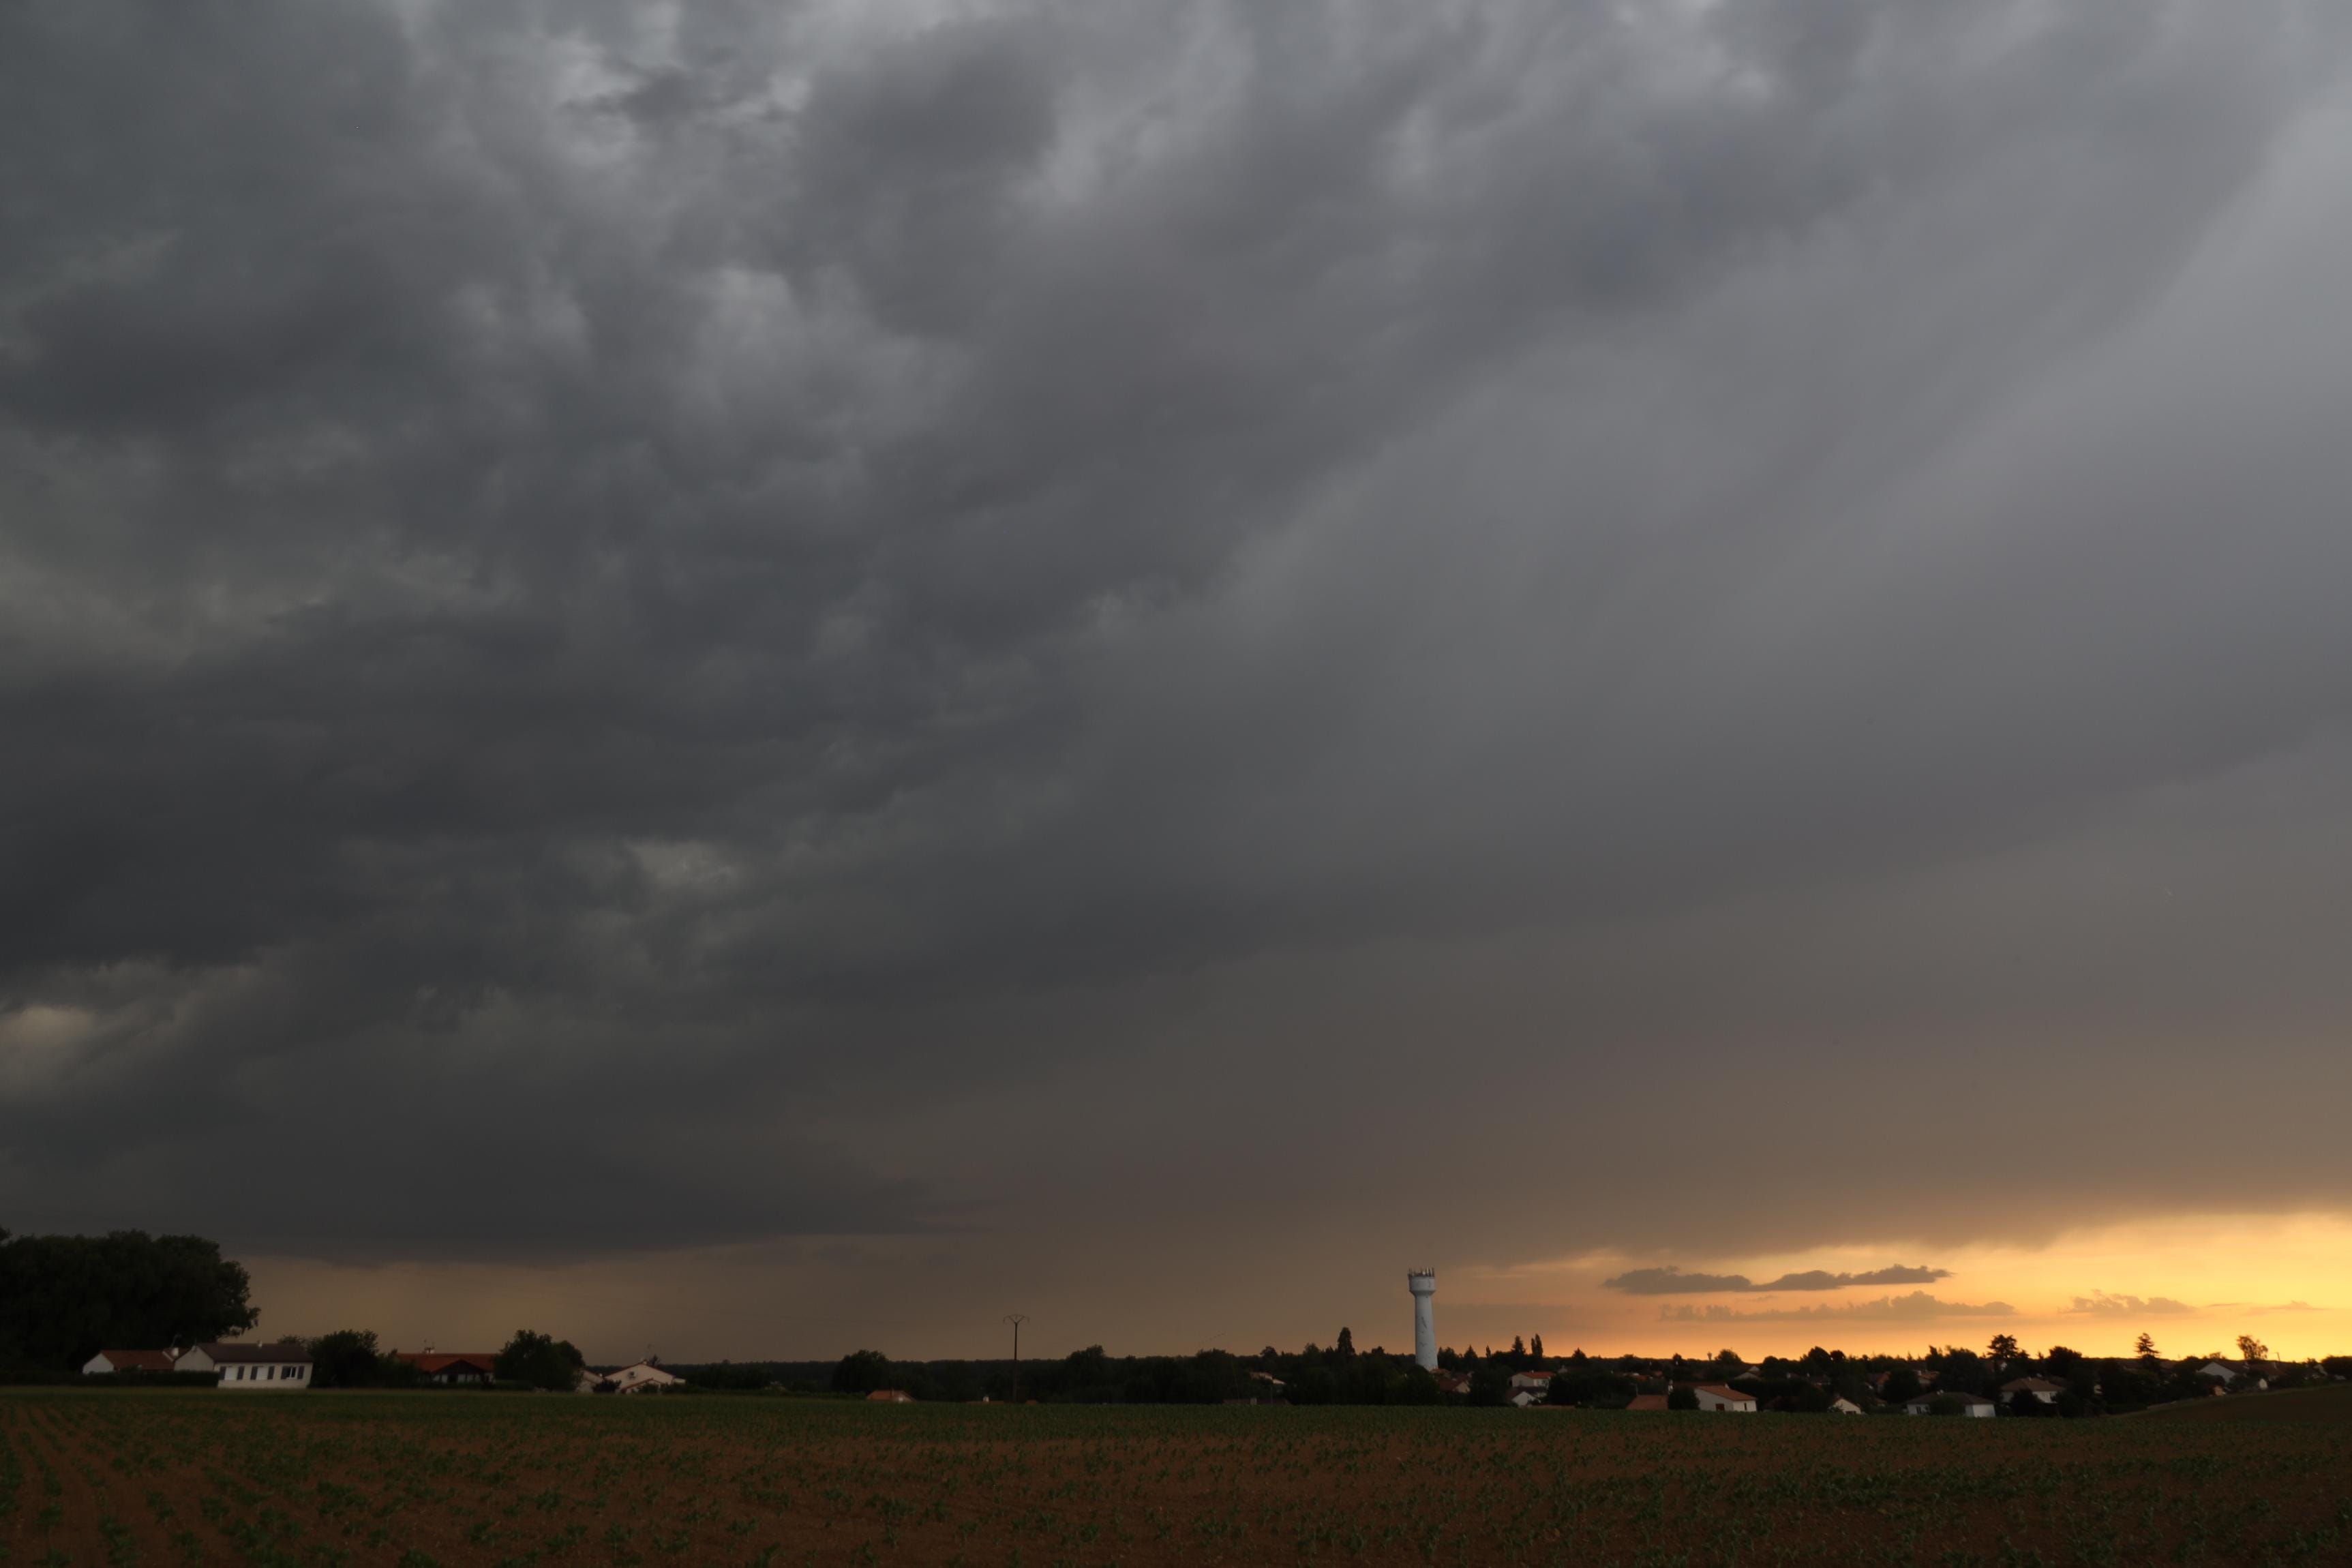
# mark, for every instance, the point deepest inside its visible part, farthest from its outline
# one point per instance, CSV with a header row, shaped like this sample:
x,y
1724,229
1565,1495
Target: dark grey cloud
x,y
653,623
1670,1280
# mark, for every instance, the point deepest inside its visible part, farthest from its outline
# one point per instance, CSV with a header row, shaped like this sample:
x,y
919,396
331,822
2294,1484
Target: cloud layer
x,y
1669,1281
631,624
1917,1307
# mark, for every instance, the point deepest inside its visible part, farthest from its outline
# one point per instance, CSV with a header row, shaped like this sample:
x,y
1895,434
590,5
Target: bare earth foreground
x,y
482,1479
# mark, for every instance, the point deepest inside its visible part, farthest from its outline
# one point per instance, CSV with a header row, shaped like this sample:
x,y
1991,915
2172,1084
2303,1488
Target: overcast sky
x,y
1143,661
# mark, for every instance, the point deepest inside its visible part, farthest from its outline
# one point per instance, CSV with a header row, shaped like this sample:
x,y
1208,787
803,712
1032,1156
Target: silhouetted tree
x,y
348,1358
2002,1348
63,1298
862,1372
540,1360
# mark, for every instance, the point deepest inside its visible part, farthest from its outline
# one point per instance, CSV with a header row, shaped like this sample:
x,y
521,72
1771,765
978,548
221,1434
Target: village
x,y
287,1366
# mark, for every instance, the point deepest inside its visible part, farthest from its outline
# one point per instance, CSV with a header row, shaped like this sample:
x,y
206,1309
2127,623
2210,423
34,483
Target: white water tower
x,y
1422,1283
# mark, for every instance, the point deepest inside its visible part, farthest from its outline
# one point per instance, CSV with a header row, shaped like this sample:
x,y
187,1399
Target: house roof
x,y
441,1360
234,1354
139,1360
1721,1391
2031,1385
1532,1377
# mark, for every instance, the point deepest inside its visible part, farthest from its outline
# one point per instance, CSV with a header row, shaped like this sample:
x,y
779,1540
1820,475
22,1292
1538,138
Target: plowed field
x,y
415,1480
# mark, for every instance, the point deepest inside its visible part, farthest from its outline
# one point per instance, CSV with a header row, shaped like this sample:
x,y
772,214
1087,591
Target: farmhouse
x,y
1844,1408
1535,1383
127,1361
2041,1388
641,1378
249,1366
1716,1396
1971,1403
463,1367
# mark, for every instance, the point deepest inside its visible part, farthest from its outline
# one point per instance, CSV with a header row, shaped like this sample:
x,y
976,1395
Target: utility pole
x,y
1016,1320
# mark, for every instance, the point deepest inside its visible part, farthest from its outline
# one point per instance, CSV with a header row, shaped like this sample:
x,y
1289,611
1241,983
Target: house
x,y
2227,1373
1452,1382
1717,1397
469,1367
2041,1388
1844,1408
1648,1402
1276,1384
248,1366
646,1376
889,1397
127,1361
1971,1403
1523,1398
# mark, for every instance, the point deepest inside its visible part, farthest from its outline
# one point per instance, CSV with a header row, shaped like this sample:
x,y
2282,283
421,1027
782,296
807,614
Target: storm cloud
x,y
633,624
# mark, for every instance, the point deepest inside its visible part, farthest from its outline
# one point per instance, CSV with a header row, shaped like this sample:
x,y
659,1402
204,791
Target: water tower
x,y
1422,1283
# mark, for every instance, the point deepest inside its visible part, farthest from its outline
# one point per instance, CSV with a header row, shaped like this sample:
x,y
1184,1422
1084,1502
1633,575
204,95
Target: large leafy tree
x,y
63,1298
540,1360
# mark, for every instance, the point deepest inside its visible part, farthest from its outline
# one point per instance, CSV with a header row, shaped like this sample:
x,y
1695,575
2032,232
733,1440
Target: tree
x,y
346,1359
63,1298
1518,1345
2002,1348
1729,1360
538,1360
1682,1397
862,1372
1346,1345
2145,1347
1902,1384
2252,1350
1535,1347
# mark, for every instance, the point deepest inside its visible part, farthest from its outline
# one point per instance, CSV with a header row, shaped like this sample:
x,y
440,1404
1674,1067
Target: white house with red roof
x,y
459,1367
279,1366
106,1361
1718,1397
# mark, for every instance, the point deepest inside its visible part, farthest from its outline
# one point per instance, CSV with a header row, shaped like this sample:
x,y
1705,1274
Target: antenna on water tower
x,y
1422,1283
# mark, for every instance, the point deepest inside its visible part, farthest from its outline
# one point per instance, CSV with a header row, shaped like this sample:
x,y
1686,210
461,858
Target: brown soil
x,y
483,1478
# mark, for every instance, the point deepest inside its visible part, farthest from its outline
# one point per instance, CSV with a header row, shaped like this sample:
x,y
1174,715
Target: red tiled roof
x,y
483,1361
1720,1392
139,1360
